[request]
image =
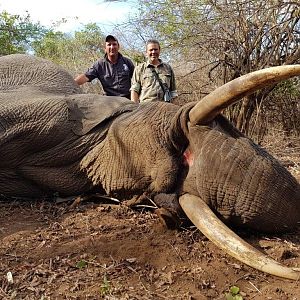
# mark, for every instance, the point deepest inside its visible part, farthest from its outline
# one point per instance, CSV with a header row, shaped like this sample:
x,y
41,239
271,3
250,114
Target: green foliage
x,y
137,57
289,87
81,264
75,51
234,294
17,33
172,21
105,287
90,38
50,45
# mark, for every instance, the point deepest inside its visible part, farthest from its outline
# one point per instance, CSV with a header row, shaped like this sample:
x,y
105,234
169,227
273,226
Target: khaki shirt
x,y
145,83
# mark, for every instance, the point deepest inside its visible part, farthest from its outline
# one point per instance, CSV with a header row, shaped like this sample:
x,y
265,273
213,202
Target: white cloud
x,y
77,12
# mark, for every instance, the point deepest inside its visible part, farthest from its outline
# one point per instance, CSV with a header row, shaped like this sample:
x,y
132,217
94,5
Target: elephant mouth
x,y
196,209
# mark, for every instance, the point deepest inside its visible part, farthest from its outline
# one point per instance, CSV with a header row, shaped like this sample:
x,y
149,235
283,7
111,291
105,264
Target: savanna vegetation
x,y
104,251
208,43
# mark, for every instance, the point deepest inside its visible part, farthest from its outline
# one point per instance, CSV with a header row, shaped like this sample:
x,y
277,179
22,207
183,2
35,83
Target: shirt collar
x,y
119,57
151,65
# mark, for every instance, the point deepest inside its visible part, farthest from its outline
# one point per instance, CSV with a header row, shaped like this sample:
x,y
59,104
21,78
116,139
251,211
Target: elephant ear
x,y
89,110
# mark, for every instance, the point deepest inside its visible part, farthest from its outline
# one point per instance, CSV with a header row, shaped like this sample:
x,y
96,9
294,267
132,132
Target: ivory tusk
x,y
217,232
212,104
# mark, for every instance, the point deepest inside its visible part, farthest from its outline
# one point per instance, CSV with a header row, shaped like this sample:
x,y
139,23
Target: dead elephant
x,y
54,139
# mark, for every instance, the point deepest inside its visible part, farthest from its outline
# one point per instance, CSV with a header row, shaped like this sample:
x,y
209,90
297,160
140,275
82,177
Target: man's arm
x,y
81,79
134,96
135,85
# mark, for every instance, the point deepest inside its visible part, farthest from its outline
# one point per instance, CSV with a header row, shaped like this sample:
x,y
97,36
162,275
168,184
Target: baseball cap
x,y
110,38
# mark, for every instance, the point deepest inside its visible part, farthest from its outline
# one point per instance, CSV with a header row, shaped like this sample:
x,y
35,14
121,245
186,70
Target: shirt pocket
x,y
166,78
107,80
148,80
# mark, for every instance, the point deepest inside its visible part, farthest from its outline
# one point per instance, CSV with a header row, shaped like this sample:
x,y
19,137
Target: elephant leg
x,y
169,211
14,185
166,207
66,180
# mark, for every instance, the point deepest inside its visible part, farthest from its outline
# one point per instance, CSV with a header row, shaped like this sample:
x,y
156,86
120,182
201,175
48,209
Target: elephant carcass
x,y
67,142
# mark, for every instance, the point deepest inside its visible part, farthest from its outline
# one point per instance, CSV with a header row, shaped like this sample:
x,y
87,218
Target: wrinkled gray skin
x,y
54,139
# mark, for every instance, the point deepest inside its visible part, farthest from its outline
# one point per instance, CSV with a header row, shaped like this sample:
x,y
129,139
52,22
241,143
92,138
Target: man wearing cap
x,y
114,70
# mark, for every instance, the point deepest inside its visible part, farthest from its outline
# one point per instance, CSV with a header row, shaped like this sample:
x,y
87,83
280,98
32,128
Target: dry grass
x,y
285,148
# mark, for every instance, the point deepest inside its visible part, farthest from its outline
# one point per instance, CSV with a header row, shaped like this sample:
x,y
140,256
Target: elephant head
x,y
243,184
69,142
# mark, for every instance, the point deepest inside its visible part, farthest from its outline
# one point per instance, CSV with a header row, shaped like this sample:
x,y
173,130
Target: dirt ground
x,y
106,251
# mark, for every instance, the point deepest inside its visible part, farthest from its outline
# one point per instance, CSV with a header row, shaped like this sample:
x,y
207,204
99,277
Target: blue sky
x,y
77,12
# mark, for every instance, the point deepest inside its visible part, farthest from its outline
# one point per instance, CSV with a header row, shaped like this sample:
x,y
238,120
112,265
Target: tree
x,y
75,52
70,49
255,35
223,39
17,33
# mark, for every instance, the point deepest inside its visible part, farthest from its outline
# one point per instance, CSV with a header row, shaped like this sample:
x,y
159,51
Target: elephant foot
x,y
169,210
168,219
166,207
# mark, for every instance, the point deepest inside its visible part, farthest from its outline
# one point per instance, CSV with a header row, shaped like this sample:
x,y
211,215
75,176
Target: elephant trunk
x,y
240,181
